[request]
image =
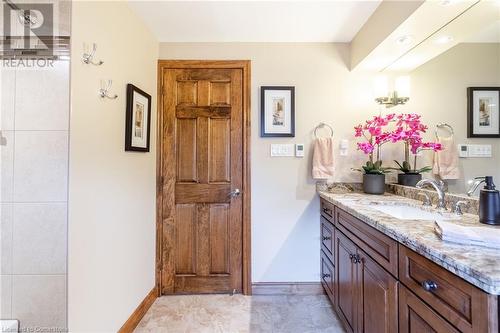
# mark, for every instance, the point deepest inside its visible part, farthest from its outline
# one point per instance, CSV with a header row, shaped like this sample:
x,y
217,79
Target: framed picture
x,y
277,114
483,115
138,120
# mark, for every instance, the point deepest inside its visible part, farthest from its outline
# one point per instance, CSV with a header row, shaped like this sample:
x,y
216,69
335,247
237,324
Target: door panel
x,y
345,281
378,312
186,155
416,317
203,137
220,151
219,239
185,241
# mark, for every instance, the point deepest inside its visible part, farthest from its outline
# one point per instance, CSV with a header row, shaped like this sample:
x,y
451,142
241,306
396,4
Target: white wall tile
x,y
6,296
6,166
39,300
6,223
40,166
39,238
42,98
7,98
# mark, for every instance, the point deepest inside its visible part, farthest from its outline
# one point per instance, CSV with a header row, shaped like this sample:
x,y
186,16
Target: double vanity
x,y
385,270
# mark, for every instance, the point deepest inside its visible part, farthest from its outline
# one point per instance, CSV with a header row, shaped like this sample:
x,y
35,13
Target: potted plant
x,y
409,130
374,138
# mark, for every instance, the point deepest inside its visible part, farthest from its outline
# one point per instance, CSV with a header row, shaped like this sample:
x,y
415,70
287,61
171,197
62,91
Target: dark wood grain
x,y
379,246
461,303
417,317
378,297
327,276
346,285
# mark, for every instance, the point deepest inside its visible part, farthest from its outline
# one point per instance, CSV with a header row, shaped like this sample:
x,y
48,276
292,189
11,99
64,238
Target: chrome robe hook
x,y
88,57
104,90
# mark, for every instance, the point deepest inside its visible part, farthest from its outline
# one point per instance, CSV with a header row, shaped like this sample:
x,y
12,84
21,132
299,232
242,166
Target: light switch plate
x,y
479,150
282,150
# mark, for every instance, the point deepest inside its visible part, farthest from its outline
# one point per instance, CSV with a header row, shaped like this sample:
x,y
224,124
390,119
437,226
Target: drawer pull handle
x,y
326,276
355,258
429,285
327,211
326,238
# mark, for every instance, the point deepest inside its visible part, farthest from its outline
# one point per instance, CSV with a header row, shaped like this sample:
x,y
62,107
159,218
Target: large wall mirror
x,y
463,53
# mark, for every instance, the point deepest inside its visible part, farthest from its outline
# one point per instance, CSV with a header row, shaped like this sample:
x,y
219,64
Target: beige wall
x,y
438,92
285,222
112,192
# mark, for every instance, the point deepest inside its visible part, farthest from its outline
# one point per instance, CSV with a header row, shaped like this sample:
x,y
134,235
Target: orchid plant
x,y
409,130
375,136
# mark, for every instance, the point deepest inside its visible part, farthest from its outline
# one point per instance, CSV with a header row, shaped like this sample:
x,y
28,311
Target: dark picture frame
x,y
286,122
476,106
137,133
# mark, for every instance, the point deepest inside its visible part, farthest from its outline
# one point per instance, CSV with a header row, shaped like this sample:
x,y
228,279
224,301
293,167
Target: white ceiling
x,y
254,21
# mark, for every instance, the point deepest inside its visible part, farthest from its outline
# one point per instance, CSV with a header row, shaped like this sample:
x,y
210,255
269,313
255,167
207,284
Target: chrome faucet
x,y
438,186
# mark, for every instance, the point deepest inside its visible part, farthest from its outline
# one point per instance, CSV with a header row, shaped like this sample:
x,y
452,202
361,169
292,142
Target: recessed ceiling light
x,y
404,40
443,39
447,2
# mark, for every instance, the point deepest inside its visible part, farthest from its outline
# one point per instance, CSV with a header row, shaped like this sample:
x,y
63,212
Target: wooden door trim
x,y
244,65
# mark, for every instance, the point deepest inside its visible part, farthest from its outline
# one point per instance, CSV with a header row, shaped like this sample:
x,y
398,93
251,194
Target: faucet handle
x,y
458,206
427,200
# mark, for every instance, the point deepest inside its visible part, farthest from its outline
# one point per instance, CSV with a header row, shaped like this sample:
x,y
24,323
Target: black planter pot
x,y
409,179
373,184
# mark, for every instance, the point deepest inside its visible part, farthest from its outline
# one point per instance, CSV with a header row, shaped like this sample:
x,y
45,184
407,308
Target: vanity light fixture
x,y
400,94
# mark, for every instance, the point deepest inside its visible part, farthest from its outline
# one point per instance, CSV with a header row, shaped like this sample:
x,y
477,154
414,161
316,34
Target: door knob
x,y
234,193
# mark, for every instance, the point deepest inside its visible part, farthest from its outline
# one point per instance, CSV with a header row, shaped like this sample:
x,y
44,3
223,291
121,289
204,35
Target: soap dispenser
x,y
489,201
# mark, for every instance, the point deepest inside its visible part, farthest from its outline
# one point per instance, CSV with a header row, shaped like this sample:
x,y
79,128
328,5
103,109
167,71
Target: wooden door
x,y
378,297
416,317
345,281
202,161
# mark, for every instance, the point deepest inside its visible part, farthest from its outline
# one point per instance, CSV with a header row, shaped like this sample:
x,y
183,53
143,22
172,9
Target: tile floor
x,y
239,314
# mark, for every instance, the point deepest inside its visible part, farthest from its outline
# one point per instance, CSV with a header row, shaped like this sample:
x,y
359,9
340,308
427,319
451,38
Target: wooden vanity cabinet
x,y
366,294
379,285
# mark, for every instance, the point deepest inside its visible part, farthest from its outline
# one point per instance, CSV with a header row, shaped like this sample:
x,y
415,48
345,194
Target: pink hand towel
x,y
322,166
446,164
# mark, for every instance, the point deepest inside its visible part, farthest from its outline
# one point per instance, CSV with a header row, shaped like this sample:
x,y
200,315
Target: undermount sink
x,y
404,212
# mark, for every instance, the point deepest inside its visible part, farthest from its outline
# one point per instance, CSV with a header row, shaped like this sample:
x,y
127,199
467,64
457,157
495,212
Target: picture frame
x,y
483,112
137,120
277,114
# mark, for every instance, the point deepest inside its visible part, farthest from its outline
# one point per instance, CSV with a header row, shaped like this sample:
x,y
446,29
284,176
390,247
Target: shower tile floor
x,y
239,314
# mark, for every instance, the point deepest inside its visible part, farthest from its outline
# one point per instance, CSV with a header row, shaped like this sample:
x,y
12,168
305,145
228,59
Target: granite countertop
x,y
478,265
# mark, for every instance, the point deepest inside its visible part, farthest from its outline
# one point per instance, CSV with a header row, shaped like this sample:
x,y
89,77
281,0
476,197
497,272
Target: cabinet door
x,y
327,276
327,238
416,317
378,297
345,281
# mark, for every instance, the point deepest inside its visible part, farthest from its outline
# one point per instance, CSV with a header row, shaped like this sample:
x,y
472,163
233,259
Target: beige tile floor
x,y
239,314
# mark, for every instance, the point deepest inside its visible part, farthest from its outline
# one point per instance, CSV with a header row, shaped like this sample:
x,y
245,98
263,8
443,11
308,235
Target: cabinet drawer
x,y
416,317
327,238
327,210
327,276
462,304
380,247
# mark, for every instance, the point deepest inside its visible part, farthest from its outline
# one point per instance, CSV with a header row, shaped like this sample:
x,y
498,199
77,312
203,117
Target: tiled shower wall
x,y
34,176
